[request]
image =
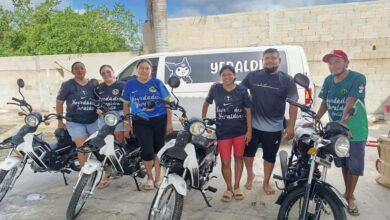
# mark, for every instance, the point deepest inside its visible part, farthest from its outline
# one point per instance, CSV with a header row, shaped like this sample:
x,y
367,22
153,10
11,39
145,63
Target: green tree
x,y
45,29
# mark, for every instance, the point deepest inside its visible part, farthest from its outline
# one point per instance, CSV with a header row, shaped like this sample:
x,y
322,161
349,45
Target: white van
x,y
198,70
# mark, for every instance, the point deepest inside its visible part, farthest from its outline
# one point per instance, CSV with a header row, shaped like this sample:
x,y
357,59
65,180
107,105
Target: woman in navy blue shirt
x,y
77,93
151,132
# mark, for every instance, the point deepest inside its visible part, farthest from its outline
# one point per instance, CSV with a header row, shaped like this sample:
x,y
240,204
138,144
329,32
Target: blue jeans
x,y
77,130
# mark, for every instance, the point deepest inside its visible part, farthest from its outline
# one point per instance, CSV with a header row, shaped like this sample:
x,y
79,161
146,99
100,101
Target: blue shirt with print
x,y
138,94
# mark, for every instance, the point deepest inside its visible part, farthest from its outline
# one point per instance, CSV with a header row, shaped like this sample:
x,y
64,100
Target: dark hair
x,y
271,50
227,67
106,65
75,63
144,61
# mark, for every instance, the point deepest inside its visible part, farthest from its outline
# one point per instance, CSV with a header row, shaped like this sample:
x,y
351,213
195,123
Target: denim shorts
x,y
355,162
119,128
77,130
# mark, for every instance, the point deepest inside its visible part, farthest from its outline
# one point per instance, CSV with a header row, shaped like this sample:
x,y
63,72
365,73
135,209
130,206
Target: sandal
x,y
227,196
103,184
354,211
149,185
238,195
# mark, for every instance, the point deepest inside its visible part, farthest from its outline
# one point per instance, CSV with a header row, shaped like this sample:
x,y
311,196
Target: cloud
x,y
7,4
209,7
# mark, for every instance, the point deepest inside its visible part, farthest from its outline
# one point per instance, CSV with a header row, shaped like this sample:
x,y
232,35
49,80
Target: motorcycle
x,y
25,146
124,159
189,161
306,195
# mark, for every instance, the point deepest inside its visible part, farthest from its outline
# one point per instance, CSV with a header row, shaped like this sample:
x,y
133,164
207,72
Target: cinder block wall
x,y
361,29
43,75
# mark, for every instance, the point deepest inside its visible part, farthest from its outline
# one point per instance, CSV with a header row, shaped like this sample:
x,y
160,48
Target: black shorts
x,y
150,135
270,142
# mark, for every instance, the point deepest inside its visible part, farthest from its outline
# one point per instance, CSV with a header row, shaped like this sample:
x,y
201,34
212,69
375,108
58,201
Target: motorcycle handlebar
x,y
304,108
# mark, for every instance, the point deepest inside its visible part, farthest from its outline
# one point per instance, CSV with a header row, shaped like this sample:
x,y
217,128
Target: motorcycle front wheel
x,y
321,206
6,178
169,206
80,195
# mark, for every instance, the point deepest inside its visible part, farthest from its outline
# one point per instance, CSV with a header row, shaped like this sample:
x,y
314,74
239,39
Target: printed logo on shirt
x,y
228,98
344,91
115,91
361,88
152,89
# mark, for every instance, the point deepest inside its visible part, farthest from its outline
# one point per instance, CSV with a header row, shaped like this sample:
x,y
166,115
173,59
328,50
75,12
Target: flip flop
x,y
227,196
354,211
149,185
238,195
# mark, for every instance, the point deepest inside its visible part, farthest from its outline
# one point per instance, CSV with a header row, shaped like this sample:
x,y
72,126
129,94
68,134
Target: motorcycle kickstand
x,y
205,198
136,183
65,181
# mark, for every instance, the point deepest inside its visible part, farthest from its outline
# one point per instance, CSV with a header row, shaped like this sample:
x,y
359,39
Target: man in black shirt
x,y
269,89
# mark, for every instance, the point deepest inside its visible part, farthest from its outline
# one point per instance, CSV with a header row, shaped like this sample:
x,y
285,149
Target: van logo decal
x,y
181,70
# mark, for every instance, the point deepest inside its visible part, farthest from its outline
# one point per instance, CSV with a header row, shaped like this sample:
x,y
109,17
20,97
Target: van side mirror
x,y
20,83
302,80
174,82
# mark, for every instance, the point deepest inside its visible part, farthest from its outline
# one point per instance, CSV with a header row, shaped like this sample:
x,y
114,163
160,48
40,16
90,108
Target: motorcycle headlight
x,y
111,119
341,146
31,120
197,128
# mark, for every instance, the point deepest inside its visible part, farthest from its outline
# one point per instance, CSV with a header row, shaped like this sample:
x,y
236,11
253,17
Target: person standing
x,y
233,127
269,88
342,90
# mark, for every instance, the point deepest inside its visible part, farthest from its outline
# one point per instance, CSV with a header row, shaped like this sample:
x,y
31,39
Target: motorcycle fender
x,y
108,149
168,145
91,166
10,162
27,145
177,182
328,189
92,136
191,163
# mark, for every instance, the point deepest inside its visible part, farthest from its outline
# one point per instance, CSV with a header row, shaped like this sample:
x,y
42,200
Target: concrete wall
x,y
43,75
361,29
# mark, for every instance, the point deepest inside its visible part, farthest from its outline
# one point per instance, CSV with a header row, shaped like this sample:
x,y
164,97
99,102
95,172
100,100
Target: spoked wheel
x,y
321,206
169,207
6,178
80,195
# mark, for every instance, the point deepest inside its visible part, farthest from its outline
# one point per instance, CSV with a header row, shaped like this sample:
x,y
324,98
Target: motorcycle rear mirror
x,y
20,83
150,104
94,82
302,80
174,82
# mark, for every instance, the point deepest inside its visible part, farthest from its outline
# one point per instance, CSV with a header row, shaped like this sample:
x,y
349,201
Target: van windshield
x,y
205,68
131,72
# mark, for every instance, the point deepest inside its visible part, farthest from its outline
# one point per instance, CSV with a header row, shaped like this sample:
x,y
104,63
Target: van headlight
x,y
341,146
111,119
32,120
197,128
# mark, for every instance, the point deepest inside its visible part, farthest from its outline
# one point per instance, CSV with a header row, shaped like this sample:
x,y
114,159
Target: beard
x,y
270,70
